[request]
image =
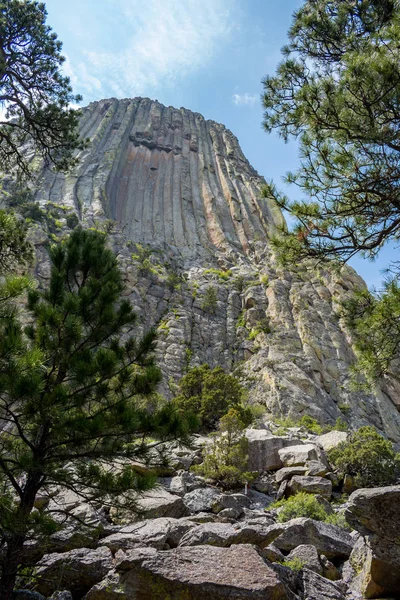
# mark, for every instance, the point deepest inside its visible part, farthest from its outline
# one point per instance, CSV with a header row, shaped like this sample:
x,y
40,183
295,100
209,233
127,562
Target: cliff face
x,y
192,238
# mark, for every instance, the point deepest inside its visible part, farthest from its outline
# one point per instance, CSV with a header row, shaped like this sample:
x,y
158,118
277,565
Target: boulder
x,y
298,455
376,510
198,573
125,561
315,468
226,534
263,449
332,439
376,560
317,587
310,485
328,539
78,570
308,555
237,502
160,503
65,595
200,500
289,472
163,533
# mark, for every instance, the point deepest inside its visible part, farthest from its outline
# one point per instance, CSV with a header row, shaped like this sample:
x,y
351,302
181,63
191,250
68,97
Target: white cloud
x,y
156,43
245,99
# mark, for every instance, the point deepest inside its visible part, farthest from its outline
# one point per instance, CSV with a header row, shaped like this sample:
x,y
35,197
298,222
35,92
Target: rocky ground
x,y
195,541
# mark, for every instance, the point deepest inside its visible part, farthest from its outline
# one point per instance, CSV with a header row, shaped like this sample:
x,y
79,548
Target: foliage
x,y
300,505
374,319
76,391
209,394
296,563
16,252
224,275
14,245
311,424
225,459
34,93
209,303
337,91
368,457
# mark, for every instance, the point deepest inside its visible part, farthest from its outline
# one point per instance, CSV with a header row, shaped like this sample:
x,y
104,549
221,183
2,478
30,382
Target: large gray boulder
x,y
163,533
264,449
298,454
328,539
200,500
332,439
376,510
310,485
201,573
289,472
376,559
226,534
77,570
317,587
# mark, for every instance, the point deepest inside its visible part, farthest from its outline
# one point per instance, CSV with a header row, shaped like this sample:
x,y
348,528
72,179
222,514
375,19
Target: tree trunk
x,y
16,539
10,565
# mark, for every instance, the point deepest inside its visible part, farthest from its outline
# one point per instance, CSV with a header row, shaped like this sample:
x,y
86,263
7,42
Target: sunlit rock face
x,y
204,272
171,178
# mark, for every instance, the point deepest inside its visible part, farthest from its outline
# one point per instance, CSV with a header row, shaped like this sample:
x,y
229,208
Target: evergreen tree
x,y
33,93
74,390
337,92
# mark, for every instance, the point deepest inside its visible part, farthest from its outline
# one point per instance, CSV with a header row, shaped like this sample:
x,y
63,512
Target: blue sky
x,y
206,55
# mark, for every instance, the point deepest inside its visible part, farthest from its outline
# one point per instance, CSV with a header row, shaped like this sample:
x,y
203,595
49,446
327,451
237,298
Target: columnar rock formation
x,y
192,234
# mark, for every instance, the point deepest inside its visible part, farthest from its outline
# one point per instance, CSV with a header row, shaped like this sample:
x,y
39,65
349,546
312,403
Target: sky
x,y
209,56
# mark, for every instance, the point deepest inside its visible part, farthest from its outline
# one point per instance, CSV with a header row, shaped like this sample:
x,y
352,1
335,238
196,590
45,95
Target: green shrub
x,y
209,394
225,459
300,505
224,275
311,424
209,303
72,221
337,519
368,457
295,564
340,425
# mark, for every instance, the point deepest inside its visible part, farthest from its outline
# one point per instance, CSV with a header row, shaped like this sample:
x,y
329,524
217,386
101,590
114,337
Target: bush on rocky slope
x,y
209,394
368,457
226,458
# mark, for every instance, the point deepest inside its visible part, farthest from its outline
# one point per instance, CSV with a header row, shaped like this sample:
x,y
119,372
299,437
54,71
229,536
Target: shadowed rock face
x,y
205,272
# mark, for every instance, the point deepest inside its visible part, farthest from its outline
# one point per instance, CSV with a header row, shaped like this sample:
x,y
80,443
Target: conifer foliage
x,y
34,94
74,386
337,91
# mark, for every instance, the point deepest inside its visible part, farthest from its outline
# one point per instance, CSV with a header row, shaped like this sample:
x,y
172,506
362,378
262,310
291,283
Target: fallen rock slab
x,y
298,455
309,485
263,450
320,588
332,439
163,533
77,570
200,500
201,573
376,559
227,534
328,539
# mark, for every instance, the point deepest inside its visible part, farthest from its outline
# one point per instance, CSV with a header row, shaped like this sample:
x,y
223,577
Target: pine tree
x,y
337,91
74,390
35,95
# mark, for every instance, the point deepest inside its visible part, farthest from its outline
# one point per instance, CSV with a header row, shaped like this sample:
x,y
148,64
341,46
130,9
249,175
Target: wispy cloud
x,y
157,43
245,99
